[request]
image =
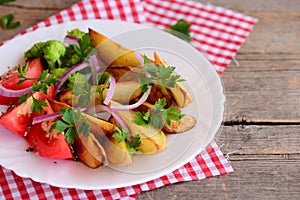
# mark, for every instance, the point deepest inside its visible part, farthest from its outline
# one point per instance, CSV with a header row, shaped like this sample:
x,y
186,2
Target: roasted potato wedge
x,y
152,140
184,124
124,93
116,152
90,151
112,53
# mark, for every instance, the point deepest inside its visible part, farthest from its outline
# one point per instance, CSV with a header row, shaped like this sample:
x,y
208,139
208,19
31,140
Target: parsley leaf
x,y
132,142
7,22
41,85
84,48
83,90
158,115
72,123
181,30
162,75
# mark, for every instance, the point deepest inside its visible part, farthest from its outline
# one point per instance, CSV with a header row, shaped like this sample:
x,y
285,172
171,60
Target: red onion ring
x,y
135,105
70,71
103,108
71,40
43,118
13,93
110,91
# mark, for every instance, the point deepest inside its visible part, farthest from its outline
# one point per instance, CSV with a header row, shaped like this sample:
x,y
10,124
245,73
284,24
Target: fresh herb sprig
x,y
102,79
159,115
181,30
132,142
8,22
162,75
42,84
84,48
72,124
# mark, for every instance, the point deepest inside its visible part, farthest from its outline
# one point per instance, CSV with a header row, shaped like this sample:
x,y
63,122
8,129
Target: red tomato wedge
x,y
46,143
10,79
18,119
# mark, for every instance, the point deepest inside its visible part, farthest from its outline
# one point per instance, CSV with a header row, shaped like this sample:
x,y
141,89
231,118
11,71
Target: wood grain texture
x,y
261,124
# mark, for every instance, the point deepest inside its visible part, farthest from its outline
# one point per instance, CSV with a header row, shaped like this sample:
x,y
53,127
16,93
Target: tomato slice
x,y
19,118
10,79
49,144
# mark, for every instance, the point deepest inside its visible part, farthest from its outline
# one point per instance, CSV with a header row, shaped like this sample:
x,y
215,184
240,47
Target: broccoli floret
x,y
76,79
58,72
76,33
51,51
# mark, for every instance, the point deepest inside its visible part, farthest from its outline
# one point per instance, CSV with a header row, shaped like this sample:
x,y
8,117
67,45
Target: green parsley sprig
x,y
162,75
42,84
132,142
72,124
84,48
158,115
181,30
8,22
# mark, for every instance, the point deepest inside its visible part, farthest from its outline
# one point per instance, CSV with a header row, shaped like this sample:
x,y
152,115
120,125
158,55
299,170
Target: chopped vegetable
x,y
52,51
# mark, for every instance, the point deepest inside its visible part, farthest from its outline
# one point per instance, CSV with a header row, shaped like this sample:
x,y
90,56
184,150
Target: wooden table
x,y
261,130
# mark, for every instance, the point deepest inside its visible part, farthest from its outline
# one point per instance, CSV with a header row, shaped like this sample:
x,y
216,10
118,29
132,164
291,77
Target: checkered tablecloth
x,y
217,31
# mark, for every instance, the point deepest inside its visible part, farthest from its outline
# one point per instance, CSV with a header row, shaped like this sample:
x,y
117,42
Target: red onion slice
x,y
42,118
103,108
71,40
110,91
70,71
135,105
13,93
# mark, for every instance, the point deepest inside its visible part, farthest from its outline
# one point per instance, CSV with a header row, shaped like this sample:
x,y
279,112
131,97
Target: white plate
x,y
202,80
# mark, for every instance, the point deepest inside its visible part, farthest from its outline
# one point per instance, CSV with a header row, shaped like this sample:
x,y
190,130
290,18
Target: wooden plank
x,y
259,140
263,89
252,179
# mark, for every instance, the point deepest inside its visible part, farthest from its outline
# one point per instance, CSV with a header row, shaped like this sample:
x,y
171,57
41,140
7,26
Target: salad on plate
x,y
89,99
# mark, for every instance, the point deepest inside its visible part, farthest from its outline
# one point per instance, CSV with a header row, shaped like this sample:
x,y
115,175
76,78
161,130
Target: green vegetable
x,y
162,75
80,87
58,72
181,30
41,85
7,22
132,143
84,48
52,51
72,124
5,1
159,115
76,33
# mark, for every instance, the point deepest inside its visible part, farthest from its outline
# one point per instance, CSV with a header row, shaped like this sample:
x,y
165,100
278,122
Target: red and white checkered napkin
x,y
217,31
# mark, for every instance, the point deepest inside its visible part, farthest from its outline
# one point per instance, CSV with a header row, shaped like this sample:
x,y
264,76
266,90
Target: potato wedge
x,y
184,124
112,53
116,152
180,93
124,93
90,151
152,140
